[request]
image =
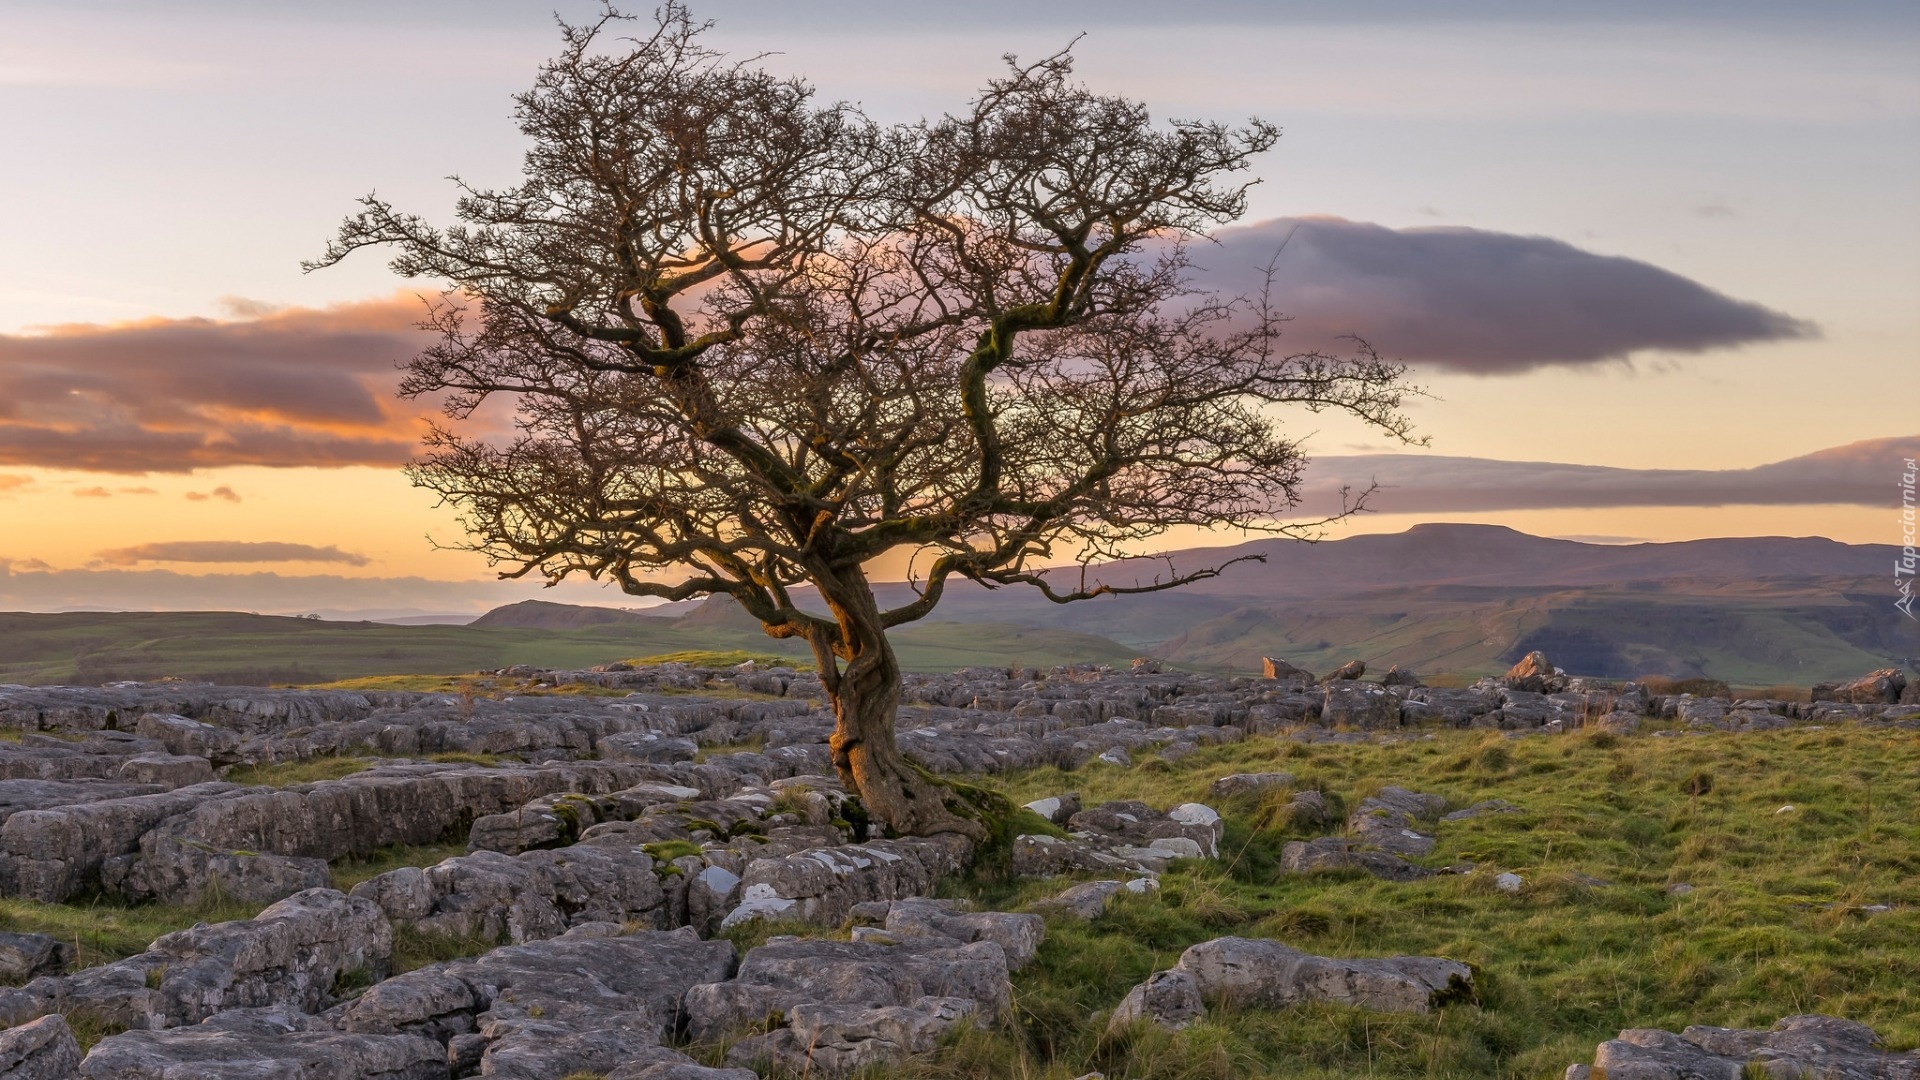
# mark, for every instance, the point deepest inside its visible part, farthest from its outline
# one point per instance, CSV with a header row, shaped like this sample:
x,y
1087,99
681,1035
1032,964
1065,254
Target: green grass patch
x,y
313,770
1778,922
352,871
103,930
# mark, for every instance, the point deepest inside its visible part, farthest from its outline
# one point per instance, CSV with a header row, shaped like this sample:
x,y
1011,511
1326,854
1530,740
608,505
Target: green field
x,y
89,648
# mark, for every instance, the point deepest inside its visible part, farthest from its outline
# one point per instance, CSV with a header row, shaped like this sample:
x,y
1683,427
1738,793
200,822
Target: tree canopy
x,y
754,341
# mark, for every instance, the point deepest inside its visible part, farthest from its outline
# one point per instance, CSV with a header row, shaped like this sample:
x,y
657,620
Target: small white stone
x,y
1179,847
1787,809
1509,883
1046,808
719,879
1194,813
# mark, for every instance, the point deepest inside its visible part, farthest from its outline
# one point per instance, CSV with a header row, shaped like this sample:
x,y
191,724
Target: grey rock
x,y
258,1046
44,1049
786,972
1169,999
831,1040
647,746
1352,669
24,956
1331,853
48,855
1239,784
1018,936
1057,808
290,956
1386,821
1266,973
1087,900
167,770
1397,677
1367,706
1796,1048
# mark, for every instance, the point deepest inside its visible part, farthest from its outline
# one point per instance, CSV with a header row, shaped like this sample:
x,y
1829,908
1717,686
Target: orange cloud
x,y
92,493
221,492
13,482
285,387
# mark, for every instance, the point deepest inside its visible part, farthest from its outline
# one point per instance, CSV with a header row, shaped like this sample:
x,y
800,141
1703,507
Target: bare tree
x,y
755,342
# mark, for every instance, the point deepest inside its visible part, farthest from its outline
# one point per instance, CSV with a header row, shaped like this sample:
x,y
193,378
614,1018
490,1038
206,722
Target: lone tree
x,y
754,342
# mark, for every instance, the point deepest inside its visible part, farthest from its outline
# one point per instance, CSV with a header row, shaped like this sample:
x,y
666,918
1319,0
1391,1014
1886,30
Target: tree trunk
x,y
866,696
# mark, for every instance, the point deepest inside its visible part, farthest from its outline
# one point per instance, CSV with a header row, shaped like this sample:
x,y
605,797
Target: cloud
x,y
279,387
1858,474
92,493
139,491
1478,302
221,492
228,551
14,482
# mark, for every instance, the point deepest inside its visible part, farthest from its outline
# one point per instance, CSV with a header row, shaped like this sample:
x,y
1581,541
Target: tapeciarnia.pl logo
x,y
1903,567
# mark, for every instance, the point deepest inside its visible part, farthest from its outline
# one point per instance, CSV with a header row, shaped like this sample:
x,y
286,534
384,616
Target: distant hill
x,y
1455,599
543,615
1470,599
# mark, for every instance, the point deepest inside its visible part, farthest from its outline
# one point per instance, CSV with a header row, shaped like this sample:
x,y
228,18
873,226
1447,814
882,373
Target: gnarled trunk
x,y
866,696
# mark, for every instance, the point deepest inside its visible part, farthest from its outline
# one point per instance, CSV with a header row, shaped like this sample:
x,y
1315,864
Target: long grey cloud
x,y
308,387
1859,474
1475,301
228,551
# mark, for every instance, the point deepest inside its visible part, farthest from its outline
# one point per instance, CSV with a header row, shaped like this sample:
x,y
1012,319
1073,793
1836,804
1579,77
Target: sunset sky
x,y
1660,273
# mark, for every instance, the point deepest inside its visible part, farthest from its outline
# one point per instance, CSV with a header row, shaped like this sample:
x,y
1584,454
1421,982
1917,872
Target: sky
x,y
1657,265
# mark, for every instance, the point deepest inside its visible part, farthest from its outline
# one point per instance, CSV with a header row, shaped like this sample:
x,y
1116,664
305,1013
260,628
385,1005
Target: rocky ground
x,y
619,840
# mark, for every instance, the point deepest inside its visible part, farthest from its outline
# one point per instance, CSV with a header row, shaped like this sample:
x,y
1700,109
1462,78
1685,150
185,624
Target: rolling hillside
x,y
1455,599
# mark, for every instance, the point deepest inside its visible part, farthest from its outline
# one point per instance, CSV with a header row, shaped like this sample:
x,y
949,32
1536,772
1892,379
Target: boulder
x,y
1395,676
1086,900
1017,935
1386,821
1249,971
1883,687
25,956
293,956
44,1049
1797,1047
50,854
835,1007
1535,673
1168,999
1228,787
633,983
1367,706
1332,853
1347,672
255,1044
1274,668
167,770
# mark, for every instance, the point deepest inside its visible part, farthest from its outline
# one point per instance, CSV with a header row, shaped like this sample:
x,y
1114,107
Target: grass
x,y
352,871
315,769
1776,924
103,930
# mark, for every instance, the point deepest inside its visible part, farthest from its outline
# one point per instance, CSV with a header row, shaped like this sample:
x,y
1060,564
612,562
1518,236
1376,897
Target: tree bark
x,y
865,693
